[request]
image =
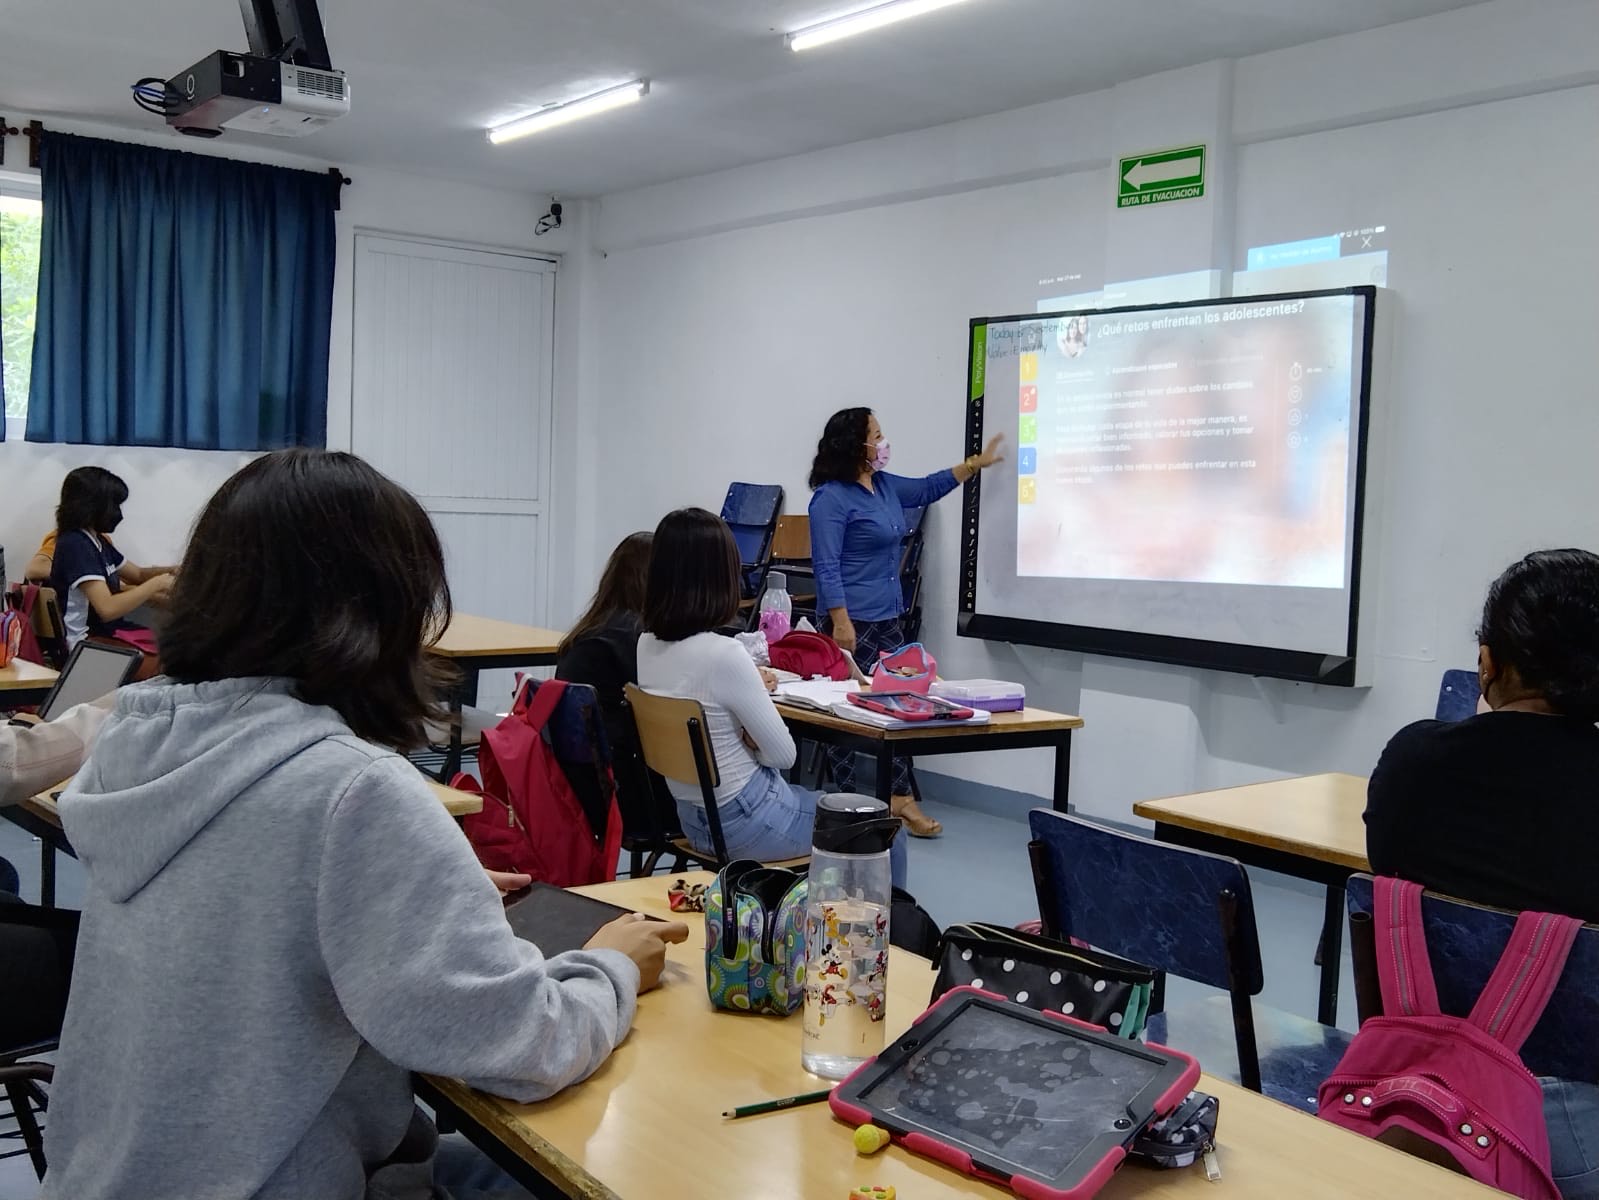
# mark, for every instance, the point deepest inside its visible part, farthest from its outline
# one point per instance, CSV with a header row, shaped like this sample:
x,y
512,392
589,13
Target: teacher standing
x,y
857,530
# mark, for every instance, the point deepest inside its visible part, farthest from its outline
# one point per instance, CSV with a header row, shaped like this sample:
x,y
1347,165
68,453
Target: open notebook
x,y
820,694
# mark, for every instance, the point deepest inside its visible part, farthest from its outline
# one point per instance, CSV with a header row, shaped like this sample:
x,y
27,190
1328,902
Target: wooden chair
x,y
675,740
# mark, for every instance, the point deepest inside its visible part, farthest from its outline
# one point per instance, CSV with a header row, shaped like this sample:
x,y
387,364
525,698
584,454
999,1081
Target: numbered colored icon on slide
x,y
1028,490
1030,398
1027,430
1029,367
1027,460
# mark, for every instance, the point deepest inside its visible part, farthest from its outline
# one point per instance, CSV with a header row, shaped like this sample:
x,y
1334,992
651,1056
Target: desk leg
x,y
1063,773
47,873
458,699
1332,954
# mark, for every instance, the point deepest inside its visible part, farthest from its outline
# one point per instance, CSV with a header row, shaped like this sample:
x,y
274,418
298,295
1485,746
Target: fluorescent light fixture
x,y
864,22
572,110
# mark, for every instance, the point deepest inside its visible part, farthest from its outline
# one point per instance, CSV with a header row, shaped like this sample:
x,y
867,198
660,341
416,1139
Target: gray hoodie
x,y
281,922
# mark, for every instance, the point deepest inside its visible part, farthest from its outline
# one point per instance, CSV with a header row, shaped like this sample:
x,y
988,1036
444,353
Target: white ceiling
x,y
428,75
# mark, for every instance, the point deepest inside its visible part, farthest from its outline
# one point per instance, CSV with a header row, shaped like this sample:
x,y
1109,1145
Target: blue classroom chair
x,y
1191,914
1464,942
751,511
1458,693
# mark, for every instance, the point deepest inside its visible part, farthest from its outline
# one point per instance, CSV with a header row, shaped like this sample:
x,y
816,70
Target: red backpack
x,y
1456,1082
809,655
532,821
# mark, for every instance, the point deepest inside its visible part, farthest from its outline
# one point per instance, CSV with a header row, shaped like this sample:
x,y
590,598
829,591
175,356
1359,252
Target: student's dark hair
x,y
313,566
621,589
841,454
693,581
91,499
1542,619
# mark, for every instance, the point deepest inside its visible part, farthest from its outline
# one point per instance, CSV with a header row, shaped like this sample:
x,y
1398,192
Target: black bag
x,y
1042,973
1188,1134
911,927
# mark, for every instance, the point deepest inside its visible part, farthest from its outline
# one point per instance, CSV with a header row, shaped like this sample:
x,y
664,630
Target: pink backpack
x,y
1457,1082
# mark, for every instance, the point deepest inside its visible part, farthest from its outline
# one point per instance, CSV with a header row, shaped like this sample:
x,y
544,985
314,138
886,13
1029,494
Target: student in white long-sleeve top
x,y
693,590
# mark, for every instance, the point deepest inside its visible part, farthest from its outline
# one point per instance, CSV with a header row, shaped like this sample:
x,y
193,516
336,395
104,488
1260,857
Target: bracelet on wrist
x,y
974,463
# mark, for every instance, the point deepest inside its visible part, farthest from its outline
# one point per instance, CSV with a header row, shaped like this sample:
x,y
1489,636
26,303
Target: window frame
x,y
22,187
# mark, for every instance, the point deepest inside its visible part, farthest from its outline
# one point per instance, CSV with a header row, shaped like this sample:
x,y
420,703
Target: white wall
x,y
737,310
170,486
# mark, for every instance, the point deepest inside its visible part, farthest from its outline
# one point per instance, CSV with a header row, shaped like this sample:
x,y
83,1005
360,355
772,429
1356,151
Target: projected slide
x,y
1241,413
1186,482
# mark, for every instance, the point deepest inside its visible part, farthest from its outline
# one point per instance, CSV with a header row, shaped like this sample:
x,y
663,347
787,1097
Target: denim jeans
x,y
769,819
463,1172
1571,1110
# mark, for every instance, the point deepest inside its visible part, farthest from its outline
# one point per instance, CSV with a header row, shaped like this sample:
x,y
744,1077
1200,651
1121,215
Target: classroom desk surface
x,y
21,676
647,1124
1028,728
41,816
1316,817
1309,827
484,637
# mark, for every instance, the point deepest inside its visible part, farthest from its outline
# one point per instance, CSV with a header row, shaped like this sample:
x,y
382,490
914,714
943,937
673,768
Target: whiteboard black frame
x,y
1338,670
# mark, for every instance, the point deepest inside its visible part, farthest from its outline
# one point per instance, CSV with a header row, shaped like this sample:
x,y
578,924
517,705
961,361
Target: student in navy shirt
x,y
88,572
857,528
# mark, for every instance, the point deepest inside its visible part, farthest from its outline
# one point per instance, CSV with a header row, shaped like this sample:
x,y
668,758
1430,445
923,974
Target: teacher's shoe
x,y
917,823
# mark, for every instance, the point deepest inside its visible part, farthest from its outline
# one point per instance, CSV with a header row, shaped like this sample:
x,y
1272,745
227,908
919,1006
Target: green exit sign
x,y
1161,176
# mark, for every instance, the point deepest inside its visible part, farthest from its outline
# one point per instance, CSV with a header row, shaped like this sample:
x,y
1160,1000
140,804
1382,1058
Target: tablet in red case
x,y
1038,1102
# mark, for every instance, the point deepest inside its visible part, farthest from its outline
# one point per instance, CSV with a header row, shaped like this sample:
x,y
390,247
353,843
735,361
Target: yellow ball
x,y
869,1139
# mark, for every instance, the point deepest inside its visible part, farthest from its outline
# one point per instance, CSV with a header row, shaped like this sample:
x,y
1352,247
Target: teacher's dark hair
x,y
313,566
1542,620
693,580
91,499
841,454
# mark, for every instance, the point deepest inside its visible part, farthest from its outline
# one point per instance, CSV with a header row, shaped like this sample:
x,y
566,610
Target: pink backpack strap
x,y
1403,968
1527,974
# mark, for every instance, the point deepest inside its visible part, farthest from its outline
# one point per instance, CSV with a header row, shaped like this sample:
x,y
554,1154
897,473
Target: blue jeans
x,y
463,1172
1571,1110
769,819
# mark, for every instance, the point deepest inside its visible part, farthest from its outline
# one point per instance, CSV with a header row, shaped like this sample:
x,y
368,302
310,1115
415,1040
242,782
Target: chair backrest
x,y
1458,693
666,739
37,946
1165,906
750,511
1464,942
577,735
791,542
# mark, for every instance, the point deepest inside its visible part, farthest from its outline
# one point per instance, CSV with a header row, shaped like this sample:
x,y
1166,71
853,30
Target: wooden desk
x,y
24,683
647,1124
1028,728
478,644
41,817
1310,827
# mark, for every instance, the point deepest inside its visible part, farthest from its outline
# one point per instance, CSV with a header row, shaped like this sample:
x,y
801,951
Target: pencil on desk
x,y
766,1106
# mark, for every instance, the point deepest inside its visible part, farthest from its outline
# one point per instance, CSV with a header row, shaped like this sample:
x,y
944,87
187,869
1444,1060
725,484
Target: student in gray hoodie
x,y
281,922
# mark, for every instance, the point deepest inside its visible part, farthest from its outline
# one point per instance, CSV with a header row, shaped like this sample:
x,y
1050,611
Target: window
x,y
20,218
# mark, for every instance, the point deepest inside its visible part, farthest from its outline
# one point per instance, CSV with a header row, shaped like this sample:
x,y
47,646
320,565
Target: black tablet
x,y
93,670
1039,1102
556,920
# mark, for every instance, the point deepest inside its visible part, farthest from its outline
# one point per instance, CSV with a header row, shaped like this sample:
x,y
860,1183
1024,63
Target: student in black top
x,y
1503,808
601,650
90,575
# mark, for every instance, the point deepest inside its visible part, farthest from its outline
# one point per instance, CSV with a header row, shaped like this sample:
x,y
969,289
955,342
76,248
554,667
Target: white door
x,y
452,378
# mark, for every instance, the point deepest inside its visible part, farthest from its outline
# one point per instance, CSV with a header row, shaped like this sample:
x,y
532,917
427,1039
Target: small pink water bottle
x,y
777,609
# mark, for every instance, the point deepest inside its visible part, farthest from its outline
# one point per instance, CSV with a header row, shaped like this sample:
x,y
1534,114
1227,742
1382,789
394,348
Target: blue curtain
x,y
184,300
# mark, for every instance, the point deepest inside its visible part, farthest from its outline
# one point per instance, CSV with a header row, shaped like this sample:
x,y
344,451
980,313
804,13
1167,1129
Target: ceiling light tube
x,y
572,110
863,22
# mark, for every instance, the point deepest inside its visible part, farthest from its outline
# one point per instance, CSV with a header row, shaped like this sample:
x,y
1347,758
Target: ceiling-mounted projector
x,y
286,86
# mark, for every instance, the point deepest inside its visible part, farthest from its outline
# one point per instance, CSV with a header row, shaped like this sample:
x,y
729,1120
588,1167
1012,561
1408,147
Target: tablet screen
x,y
92,672
1013,1091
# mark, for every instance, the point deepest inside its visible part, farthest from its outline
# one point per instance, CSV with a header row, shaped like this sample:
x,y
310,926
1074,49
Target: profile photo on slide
x,y
1072,336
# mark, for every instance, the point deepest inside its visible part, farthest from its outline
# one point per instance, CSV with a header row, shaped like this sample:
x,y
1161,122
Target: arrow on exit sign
x,y
1158,177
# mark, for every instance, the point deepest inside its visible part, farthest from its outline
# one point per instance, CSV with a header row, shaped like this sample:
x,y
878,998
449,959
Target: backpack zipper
x,y
1491,1126
1212,1164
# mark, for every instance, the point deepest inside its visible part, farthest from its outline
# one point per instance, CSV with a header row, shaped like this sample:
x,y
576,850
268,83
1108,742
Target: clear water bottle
x,y
777,608
846,934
